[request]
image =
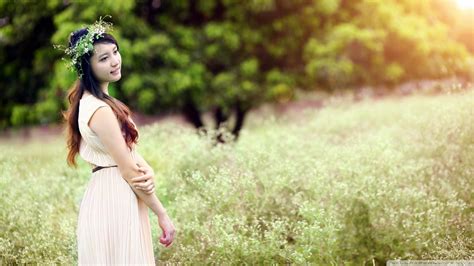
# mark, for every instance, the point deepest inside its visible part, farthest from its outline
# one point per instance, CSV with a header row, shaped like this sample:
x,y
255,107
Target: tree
x,y
24,43
225,56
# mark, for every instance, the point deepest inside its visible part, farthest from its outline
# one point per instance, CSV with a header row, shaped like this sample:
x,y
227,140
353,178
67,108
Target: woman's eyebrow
x,y
104,53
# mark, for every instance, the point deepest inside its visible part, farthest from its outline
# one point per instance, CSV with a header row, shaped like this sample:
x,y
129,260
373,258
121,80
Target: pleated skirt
x,y
113,224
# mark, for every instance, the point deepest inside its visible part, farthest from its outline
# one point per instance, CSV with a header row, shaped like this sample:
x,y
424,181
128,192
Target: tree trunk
x,y
220,117
240,114
192,114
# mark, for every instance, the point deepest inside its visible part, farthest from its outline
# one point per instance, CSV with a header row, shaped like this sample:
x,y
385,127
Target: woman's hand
x,y
146,181
168,230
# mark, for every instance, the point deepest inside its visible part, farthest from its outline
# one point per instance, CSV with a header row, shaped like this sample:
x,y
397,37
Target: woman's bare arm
x,y
105,124
142,162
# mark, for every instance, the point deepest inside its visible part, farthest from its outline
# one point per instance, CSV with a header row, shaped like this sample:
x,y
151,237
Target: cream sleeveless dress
x,y
113,224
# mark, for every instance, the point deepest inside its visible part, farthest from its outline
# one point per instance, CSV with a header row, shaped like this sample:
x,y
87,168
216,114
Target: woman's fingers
x,y
171,239
144,182
167,238
172,233
150,191
163,239
147,185
142,178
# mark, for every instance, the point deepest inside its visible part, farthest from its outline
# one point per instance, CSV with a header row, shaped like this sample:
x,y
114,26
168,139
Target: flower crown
x,y
85,44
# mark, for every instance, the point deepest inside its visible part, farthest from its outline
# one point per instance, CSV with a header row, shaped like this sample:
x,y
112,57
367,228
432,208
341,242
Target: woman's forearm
x,y
151,200
142,161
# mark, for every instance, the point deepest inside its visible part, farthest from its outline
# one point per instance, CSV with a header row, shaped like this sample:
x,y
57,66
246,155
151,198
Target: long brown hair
x,y
88,82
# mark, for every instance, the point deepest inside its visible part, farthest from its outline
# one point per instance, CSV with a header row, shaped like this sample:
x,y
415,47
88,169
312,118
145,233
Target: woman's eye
x,y
103,59
116,51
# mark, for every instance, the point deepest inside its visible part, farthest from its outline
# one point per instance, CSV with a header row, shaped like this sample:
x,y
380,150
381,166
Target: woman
x,y
113,225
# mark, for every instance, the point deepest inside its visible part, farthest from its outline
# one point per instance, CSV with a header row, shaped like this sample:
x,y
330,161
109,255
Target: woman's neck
x,y
105,87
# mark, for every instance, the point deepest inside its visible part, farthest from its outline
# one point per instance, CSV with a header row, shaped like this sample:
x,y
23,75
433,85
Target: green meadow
x,y
350,183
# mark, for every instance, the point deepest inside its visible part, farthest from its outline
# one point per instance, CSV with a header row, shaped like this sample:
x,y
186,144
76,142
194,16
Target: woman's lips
x,y
115,72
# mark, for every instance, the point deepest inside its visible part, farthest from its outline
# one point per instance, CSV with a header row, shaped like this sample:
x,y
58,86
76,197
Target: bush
x,y
21,115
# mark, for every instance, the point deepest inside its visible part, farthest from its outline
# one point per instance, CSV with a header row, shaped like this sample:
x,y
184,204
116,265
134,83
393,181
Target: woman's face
x,y
106,62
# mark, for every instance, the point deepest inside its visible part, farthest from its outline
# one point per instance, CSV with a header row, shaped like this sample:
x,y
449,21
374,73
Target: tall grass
x,y
351,183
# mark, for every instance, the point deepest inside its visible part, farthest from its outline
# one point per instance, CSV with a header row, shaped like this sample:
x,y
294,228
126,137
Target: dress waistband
x,y
97,168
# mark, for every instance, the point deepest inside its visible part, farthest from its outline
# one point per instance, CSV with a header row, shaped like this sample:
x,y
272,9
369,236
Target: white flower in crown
x,y
85,44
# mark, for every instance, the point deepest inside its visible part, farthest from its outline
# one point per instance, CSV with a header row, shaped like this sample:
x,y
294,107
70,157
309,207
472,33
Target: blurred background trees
x,y
228,56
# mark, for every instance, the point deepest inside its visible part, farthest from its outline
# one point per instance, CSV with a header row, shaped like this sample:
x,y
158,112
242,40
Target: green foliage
x,y
219,53
20,115
24,55
333,62
327,7
347,184
39,204
47,111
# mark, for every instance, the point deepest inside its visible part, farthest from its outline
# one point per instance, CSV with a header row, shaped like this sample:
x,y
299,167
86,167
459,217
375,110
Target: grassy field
x,y
350,183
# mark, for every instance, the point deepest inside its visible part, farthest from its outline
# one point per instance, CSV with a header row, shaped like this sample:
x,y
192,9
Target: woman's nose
x,y
115,61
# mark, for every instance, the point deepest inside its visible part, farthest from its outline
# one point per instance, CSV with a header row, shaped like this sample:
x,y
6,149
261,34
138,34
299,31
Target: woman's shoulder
x,y
91,100
88,105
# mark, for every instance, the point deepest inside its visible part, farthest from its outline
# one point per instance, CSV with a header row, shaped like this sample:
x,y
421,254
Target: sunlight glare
x,y
465,4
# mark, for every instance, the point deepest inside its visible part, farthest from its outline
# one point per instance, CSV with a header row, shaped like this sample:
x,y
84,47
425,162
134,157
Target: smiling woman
x,y
465,4
113,225
106,62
